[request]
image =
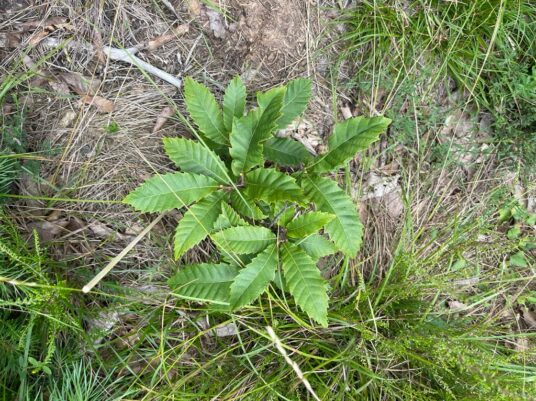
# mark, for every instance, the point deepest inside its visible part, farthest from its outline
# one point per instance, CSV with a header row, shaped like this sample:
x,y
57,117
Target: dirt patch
x,y
270,42
265,41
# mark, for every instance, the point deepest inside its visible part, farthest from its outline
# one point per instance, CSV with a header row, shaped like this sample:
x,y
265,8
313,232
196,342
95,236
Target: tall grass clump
x,y
486,47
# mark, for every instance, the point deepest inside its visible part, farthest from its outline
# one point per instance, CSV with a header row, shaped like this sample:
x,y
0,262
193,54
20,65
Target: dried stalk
x,y
125,55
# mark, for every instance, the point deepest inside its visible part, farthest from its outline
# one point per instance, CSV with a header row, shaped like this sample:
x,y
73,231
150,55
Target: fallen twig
x,y
125,55
89,286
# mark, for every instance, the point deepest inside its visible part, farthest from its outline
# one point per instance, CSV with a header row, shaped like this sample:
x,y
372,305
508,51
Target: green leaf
x,y
518,260
283,214
205,111
265,98
514,232
246,207
197,223
348,138
305,282
286,152
308,223
244,239
270,185
193,157
316,246
237,260
228,218
169,191
254,278
204,282
295,101
249,133
234,102
345,230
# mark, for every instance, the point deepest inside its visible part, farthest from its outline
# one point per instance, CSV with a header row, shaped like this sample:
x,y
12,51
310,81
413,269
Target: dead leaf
x,y
102,230
10,39
61,88
41,78
529,317
48,23
390,168
467,281
98,44
75,224
48,230
38,37
194,7
346,112
388,191
164,115
28,62
103,105
28,186
226,330
6,109
102,324
79,83
54,215
303,131
456,306
67,119
163,39
531,204
521,344
215,23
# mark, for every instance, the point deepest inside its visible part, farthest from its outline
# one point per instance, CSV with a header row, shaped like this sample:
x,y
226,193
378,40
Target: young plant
x,y
264,201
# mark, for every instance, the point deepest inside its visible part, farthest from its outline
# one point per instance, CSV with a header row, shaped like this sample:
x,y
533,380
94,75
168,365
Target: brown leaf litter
x,y
165,114
103,105
384,190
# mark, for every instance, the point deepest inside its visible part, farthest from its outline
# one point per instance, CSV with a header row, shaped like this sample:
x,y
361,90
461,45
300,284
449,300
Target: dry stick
x,y
293,365
89,286
125,55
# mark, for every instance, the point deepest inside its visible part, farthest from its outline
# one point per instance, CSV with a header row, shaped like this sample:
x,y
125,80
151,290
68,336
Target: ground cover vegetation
x,y
357,225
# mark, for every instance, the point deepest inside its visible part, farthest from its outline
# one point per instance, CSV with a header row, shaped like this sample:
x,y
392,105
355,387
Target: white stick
x,y
125,55
89,286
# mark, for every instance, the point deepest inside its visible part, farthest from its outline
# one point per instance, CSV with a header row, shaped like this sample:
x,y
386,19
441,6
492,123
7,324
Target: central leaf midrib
x,y
179,190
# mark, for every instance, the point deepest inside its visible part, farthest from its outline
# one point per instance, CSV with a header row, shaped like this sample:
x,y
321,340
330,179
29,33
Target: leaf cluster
x,y
264,201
